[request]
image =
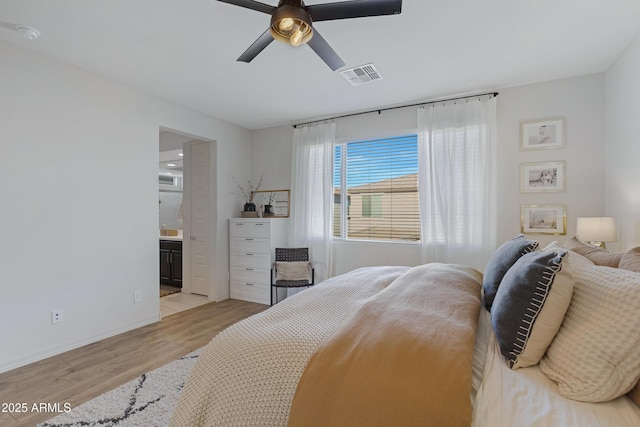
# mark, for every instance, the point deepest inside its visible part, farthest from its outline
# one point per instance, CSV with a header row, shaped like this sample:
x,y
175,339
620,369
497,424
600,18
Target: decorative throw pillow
x,y
501,260
631,260
529,306
597,255
553,246
292,270
596,355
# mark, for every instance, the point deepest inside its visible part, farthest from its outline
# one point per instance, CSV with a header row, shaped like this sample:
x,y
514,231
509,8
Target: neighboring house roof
x,y
400,184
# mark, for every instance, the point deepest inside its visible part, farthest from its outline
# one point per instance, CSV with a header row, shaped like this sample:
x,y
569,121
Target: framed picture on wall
x,y
273,203
542,177
542,134
543,219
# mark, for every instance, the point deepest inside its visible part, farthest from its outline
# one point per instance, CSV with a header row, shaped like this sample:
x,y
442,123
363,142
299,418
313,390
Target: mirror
x,y
170,171
272,203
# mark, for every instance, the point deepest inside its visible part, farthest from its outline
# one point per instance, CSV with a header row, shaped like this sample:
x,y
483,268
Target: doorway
x,y
185,214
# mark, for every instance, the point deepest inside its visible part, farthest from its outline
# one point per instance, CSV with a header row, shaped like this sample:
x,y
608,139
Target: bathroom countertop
x,y
175,238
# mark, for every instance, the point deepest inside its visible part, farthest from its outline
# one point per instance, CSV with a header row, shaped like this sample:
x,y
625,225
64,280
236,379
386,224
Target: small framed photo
x,y
274,203
542,177
543,219
542,134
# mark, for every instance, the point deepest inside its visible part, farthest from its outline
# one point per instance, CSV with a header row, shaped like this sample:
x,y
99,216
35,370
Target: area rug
x,y
147,401
168,290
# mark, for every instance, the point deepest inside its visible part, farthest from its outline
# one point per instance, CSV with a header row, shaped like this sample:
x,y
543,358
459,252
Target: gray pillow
x,y
500,262
530,305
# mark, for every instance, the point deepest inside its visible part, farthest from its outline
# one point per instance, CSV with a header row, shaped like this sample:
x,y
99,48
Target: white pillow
x,y
596,355
292,270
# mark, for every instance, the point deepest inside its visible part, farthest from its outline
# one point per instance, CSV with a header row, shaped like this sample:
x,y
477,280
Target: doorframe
x,y
186,198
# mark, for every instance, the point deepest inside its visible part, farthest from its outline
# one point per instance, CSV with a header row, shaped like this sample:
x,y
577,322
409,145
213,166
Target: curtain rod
x,y
380,110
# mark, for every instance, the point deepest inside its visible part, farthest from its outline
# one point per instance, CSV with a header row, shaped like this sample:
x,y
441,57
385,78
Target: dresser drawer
x,y
250,292
249,229
251,275
250,245
251,259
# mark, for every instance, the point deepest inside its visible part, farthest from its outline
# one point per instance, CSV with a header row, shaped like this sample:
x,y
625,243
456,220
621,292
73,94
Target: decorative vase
x,y
267,210
249,207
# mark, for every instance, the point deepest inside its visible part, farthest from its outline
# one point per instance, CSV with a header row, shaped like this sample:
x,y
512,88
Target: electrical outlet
x,y
56,316
137,297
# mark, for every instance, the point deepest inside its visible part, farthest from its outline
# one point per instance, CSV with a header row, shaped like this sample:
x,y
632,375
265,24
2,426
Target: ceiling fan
x,y
291,23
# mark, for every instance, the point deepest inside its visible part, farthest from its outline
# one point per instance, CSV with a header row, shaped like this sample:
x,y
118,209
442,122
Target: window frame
x,y
345,208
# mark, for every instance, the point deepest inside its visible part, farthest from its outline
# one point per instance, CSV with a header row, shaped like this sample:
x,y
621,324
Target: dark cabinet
x,y
171,262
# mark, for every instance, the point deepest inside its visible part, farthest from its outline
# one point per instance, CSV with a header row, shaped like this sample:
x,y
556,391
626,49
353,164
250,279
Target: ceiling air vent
x,y
361,74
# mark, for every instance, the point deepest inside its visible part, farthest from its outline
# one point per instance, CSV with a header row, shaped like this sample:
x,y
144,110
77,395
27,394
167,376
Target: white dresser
x,y
252,243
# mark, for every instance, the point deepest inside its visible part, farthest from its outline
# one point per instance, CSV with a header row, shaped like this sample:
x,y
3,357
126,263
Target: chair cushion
x,y
292,270
500,262
530,304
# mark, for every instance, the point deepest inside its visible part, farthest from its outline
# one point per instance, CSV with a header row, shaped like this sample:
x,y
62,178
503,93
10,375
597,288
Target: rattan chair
x,y
290,255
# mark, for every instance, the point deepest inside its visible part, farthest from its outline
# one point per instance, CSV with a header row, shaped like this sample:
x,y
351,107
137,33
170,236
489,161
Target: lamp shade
x,y
597,229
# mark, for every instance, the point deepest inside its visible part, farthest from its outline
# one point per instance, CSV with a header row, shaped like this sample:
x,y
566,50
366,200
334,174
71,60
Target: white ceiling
x,y
185,51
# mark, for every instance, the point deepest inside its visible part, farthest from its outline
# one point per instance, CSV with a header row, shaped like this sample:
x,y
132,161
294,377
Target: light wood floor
x,y
80,375
175,303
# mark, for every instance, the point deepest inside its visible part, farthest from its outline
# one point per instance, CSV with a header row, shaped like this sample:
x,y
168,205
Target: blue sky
x,y
377,159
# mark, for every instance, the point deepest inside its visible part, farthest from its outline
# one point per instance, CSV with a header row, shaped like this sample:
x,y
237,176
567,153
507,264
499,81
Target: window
x,y
372,205
376,189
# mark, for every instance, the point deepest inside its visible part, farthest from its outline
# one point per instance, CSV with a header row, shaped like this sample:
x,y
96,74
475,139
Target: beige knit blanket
x,y
247,375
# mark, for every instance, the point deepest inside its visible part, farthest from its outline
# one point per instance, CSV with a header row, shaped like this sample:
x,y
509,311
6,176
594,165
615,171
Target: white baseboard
x,y
75,345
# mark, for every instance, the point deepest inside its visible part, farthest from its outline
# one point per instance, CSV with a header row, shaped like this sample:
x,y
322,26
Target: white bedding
x,y
526,397
248,374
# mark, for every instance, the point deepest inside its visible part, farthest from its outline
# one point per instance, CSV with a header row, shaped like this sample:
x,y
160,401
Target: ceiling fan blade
x,y
324,51
250,4
257,47
354,9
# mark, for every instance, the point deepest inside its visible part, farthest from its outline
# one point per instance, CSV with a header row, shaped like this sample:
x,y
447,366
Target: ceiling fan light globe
x,y
296,38
286,24
291,25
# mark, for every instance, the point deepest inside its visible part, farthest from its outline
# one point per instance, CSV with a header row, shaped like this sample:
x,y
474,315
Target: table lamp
x,y
597,230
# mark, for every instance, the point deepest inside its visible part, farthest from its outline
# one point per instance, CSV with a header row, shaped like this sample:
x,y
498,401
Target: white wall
x,y
622,155
74,146
580,100
271,151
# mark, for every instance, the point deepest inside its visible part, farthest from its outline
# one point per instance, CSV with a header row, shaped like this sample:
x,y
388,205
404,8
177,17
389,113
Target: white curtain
x,y
312,194
457,181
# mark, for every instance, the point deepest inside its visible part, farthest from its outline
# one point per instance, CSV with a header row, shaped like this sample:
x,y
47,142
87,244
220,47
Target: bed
x,y
418,346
